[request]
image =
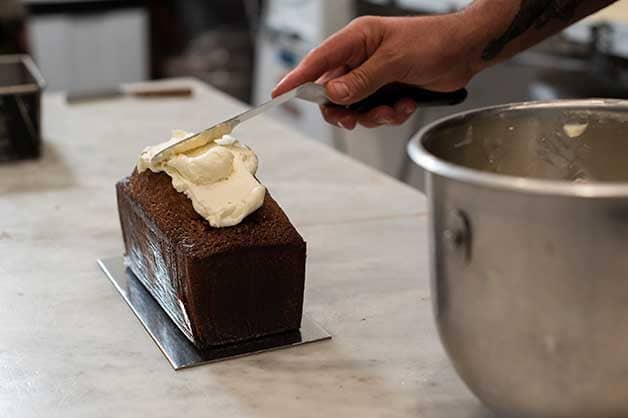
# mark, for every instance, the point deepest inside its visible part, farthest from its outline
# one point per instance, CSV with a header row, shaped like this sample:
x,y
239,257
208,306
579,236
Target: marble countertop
x,y
70,347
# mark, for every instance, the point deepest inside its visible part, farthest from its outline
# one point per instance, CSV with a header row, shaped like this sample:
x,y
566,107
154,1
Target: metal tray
x,y
179,351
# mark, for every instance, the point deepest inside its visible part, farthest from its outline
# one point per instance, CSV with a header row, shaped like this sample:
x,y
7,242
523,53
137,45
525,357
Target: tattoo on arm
x,y
531,13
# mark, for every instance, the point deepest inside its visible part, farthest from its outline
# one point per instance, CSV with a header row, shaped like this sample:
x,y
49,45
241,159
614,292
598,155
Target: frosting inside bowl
x,y
218,177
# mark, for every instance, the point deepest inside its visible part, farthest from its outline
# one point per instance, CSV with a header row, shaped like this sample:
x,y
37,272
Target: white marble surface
x,y
70,347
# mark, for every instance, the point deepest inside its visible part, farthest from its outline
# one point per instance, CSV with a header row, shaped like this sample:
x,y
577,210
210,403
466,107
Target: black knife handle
x,y
392,93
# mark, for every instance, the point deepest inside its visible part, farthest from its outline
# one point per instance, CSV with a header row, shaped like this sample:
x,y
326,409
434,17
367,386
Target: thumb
x,y
362,81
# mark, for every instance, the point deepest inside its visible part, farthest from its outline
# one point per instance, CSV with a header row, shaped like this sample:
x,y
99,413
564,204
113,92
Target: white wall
x,y
91,50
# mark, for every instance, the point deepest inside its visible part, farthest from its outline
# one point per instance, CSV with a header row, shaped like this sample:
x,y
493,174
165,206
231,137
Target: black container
x,y
21,86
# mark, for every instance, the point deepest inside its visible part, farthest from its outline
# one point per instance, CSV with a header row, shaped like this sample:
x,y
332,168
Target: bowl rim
x,y
434,165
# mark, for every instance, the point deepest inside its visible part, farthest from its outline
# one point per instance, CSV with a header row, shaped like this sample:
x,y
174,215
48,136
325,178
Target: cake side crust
x,y
236,300
154,261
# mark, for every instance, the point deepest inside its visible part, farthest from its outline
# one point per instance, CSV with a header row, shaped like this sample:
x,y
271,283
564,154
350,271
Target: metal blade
x,y
308,91
265,107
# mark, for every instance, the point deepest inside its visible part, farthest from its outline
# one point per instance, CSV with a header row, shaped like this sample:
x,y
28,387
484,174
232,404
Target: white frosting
x,y
218,176
210,167
574,130
226,140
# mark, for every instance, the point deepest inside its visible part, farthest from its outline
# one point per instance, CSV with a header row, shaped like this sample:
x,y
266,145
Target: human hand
x,y
372,52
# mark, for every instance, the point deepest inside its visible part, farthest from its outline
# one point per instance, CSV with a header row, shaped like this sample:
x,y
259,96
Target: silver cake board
x,y
179,351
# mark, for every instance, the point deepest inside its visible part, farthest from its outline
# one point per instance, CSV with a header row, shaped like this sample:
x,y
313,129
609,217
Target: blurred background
x,y
243,47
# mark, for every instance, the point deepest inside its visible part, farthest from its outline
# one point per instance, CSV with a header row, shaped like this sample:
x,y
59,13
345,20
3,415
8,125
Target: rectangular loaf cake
x,y
219,285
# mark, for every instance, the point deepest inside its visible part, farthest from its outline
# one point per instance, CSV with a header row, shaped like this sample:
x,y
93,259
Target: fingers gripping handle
x,y
386,96
392,93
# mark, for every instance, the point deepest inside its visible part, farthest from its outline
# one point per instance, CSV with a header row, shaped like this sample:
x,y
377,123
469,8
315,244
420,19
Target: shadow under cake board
x,y
179,351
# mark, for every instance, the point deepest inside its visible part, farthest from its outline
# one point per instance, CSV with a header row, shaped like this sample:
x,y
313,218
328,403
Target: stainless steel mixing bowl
x,y
529,241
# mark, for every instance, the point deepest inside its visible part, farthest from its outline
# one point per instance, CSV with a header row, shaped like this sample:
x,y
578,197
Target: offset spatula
x,y
316,93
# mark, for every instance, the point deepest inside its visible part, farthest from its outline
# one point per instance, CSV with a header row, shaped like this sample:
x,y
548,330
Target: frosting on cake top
x,y
218,176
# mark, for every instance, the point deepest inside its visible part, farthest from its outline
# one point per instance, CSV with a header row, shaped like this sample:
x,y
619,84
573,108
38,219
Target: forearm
x,y
501,28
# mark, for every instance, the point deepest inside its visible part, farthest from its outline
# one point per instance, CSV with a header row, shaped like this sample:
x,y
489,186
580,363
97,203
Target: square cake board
x,y
179,351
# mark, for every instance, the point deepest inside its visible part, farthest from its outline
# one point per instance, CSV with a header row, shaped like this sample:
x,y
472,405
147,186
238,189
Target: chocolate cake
x,y
219,285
